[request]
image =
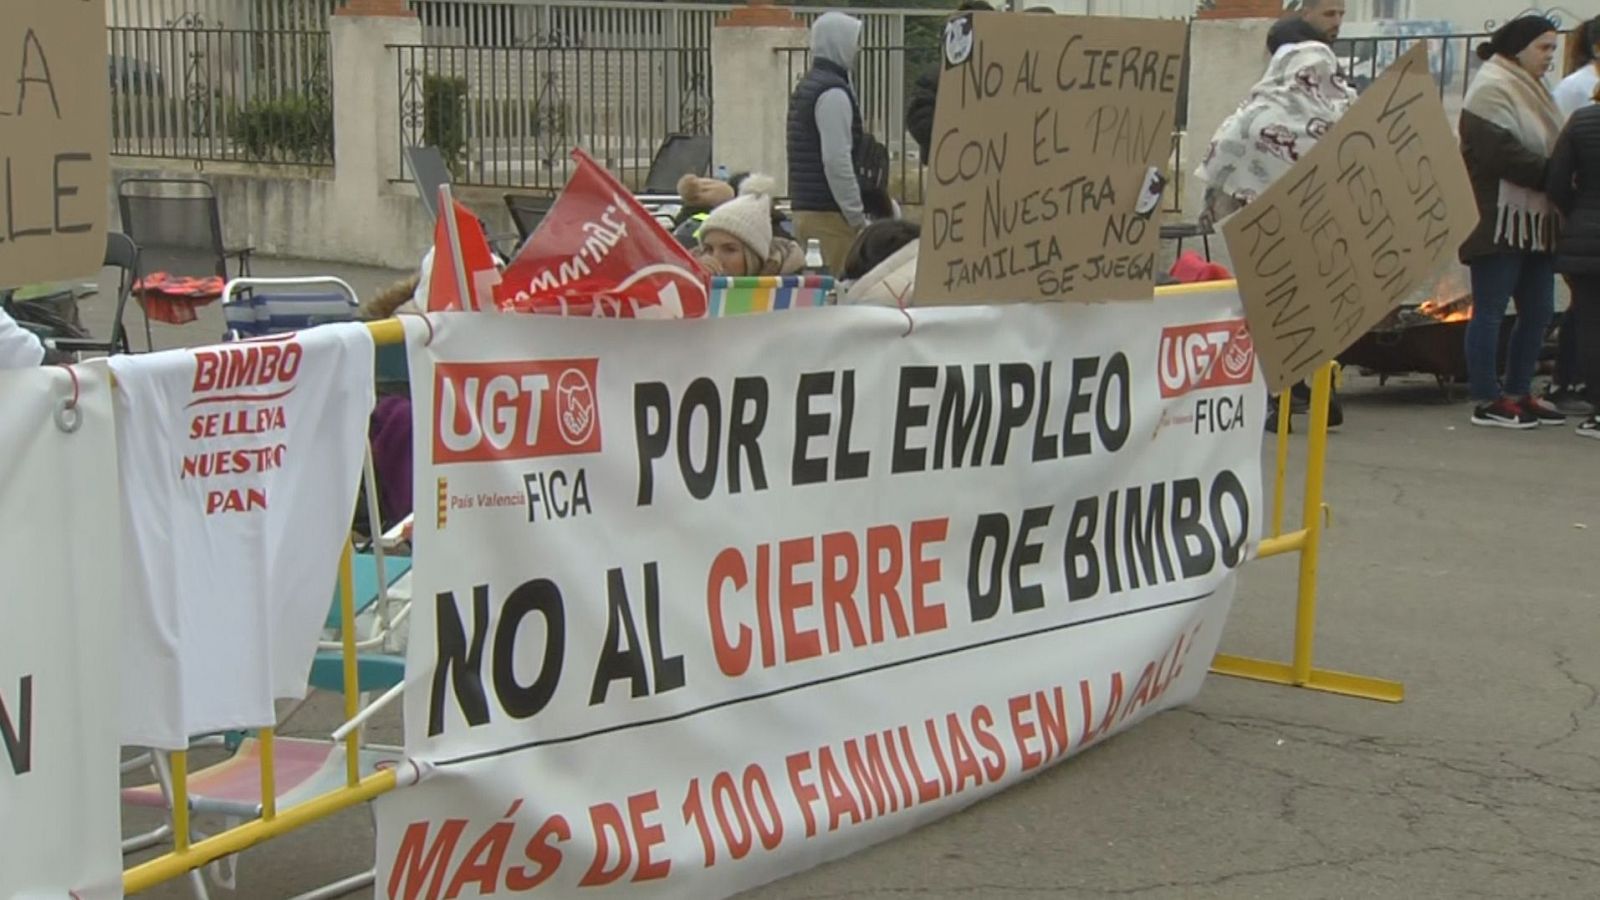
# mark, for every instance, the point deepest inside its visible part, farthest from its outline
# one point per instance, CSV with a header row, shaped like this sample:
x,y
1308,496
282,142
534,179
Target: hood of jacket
x,y
889,284
836,37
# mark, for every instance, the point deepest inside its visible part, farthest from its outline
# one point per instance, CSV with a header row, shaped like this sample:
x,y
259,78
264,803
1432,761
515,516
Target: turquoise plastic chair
x,y
364,567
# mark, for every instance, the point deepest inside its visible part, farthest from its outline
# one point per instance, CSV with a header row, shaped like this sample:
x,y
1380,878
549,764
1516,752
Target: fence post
x,y
366,122
749,118
1226,58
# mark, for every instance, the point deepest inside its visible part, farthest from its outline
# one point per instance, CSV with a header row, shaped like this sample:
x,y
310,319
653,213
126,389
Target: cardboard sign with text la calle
x,y
1050,145
56,141
1356,227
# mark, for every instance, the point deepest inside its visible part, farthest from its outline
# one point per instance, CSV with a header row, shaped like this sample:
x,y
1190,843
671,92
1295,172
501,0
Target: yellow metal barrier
x,y
272,822
1299,672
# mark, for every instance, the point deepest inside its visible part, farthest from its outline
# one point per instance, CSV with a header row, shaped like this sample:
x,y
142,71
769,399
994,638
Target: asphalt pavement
x,y
1459,561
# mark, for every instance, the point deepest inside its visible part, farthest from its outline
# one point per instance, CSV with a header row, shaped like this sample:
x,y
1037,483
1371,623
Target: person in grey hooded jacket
x,y
826,141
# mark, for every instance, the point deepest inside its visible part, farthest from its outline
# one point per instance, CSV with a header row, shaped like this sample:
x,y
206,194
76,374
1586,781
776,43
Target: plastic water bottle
x,y
722,172
814,262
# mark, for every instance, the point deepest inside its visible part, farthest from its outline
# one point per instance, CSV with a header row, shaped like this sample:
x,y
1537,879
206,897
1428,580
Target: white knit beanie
x,y
748,216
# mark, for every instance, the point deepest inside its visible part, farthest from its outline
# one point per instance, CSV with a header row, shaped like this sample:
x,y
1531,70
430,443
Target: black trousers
x,y
1568,374
1586,302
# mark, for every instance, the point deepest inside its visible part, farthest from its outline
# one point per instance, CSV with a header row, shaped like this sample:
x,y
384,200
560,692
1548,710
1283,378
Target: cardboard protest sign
x,y
1356,227
57,139
1050,143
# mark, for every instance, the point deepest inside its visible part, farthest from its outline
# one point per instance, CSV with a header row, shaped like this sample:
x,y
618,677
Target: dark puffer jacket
x,y
808,178
1574,187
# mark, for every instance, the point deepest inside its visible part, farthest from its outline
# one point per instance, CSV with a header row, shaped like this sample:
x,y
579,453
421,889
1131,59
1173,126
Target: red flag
x,y
469,245
599,253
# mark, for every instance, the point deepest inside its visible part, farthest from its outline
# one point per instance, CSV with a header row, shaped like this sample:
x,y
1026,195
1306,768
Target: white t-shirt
x,y
240,465
1577,90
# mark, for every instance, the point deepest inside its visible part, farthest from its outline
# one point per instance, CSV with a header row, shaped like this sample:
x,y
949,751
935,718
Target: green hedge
x,y
444,123
297,128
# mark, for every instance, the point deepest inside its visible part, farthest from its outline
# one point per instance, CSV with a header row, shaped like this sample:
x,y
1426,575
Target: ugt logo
x,y
515,410
575,407
1209,355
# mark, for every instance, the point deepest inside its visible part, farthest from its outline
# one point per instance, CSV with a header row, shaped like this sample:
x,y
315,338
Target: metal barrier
x,y
1307,541
1452,60
273,822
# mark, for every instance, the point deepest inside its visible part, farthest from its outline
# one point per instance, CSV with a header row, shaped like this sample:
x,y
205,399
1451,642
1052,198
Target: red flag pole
x,y
447,208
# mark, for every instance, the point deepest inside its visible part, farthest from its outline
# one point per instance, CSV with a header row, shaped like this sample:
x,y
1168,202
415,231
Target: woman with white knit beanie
x,y
737,237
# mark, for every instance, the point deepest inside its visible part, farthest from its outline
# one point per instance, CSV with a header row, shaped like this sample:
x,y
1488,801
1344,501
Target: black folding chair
x,y
177,226
527,211
122,254
428,173
1183,231
679,155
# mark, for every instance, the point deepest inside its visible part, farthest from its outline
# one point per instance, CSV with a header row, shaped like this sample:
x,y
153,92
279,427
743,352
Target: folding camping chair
x,y
527,211
256,307
1183,231
429,173
678,155
122,254
302,768
737,296
177,224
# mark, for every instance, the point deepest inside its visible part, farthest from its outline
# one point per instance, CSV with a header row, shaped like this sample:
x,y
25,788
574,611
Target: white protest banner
x,y
57,141
706,603
1050,146
1362,222
59,625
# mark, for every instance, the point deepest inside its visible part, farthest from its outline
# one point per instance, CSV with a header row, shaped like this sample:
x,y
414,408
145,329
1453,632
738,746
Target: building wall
x,y
1227,57
1154,9
1465,16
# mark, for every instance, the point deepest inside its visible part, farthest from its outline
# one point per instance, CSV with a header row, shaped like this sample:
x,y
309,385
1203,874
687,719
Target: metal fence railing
x,y
251,15
1452,59
513,84
509,116
221,94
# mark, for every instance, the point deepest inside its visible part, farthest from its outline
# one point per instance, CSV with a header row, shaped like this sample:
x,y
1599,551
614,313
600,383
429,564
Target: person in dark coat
x,y
1509,126
925,95
1573,185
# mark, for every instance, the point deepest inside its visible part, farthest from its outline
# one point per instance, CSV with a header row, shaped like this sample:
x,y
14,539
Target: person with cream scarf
x,y
1509,126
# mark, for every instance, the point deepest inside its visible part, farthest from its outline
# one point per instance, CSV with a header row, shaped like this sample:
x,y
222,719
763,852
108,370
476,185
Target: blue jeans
x,y
1530,279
